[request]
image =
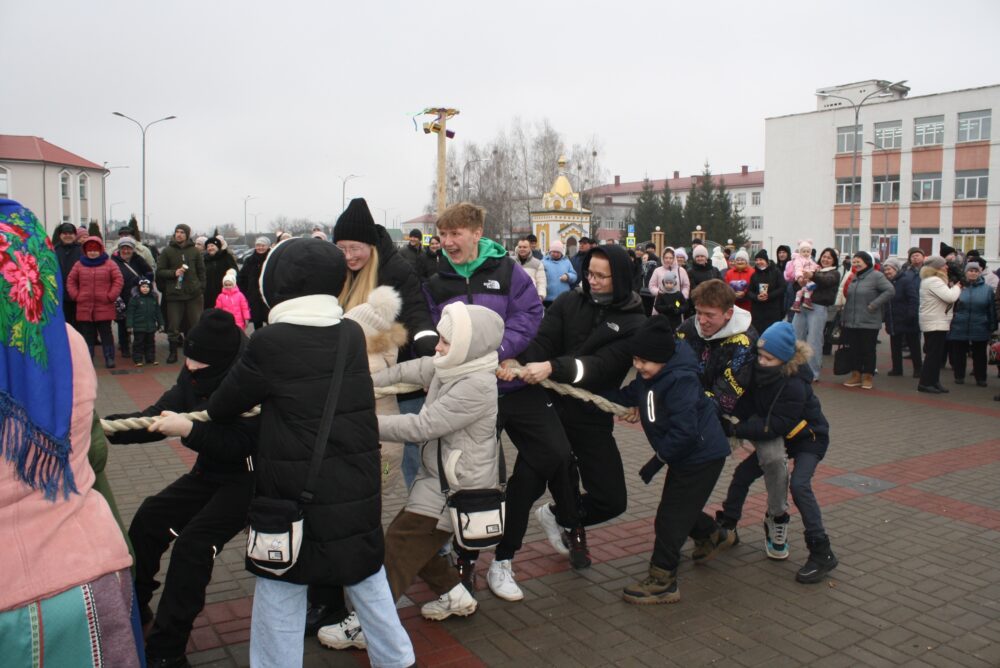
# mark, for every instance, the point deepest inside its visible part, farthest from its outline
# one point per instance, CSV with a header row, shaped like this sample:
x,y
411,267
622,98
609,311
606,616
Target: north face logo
x,y
492,284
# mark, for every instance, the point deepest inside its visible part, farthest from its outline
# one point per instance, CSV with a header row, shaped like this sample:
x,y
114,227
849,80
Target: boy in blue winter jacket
x,y
682,424
784,404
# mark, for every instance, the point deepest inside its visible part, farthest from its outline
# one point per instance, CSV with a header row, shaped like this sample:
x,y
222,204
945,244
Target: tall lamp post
x,y
879,92
104,193
885,202
343,189
245,200
143,128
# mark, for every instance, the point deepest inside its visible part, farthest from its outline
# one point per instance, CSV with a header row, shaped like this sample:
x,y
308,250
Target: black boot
x,y
172,355
319,615
727,523
821,561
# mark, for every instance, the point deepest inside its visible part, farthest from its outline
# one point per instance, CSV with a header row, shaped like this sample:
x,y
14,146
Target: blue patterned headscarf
x,y
36,371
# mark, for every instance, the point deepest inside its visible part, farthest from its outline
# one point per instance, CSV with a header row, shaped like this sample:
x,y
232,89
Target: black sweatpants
x,y
202,512
91,330
959,353
862,345
681,511
935,343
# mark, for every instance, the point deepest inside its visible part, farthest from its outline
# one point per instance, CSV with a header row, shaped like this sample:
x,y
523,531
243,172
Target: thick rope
x,y
127,424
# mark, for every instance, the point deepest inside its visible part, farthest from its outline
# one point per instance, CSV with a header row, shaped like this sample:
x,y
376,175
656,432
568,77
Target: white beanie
x,y
229,278
699,251
263,240
378,313
680,253
742,254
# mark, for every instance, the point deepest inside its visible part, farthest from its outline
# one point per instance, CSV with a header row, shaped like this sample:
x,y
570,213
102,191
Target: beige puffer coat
x,y
460,411
937,300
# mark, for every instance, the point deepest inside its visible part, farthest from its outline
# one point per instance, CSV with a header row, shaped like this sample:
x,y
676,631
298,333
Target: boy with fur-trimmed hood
x,y
783,404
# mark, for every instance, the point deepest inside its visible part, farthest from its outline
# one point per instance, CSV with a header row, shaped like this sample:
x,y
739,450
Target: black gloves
x,y
728,428
650,469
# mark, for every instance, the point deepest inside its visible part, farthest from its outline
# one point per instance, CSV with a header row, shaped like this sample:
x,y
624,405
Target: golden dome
x,y
561,187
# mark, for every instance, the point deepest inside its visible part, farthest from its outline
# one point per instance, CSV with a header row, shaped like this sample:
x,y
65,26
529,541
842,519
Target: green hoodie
x,y
487,249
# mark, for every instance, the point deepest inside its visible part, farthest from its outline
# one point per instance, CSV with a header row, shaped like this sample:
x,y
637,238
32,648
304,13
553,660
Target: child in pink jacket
x,y
233,301
798,270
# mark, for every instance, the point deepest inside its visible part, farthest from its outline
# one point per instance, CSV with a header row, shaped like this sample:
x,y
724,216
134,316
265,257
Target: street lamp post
x,y
385,215
107,230
143,128
885,202
245,200
104,193
465,176
879,92
343,189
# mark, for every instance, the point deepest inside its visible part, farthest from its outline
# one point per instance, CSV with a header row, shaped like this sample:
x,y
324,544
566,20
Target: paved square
x,y
910,498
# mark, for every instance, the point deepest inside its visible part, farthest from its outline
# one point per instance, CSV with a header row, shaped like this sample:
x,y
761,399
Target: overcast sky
x,y
278,99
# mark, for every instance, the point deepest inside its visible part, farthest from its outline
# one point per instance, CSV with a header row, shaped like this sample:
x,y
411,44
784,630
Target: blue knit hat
x,y
779,340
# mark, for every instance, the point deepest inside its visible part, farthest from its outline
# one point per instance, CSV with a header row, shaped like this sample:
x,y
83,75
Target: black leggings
x,y
862,345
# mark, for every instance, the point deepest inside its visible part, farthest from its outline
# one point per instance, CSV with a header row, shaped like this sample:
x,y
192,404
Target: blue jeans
x,y
809,327
279,620
802,494
411,451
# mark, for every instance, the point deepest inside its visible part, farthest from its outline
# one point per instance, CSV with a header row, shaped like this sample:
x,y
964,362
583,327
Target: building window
x,y
846,193
741,199
926,187
972,184
83,187
974,125
885,245
889,134
64,185
843,247
4,182
969,241
756,222
755,246
755,198
848,137
928,131
885,191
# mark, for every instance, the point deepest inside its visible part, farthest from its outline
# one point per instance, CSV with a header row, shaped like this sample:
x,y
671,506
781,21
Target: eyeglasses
x,y
593,276
352,249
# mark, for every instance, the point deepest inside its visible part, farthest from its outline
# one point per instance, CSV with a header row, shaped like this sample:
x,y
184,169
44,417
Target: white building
x,y
922,175
611,204
58,186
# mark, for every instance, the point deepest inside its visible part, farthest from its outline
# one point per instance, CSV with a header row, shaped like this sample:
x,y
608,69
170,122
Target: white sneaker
x,y
344,635
458,601
776,537
553,531
500,578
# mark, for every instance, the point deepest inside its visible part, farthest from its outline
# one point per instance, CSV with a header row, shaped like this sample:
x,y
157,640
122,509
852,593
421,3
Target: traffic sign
x,y
631,230
630,242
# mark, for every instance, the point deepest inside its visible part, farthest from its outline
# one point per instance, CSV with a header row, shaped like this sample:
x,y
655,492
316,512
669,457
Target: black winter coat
x,y
435,261
416,257
698,274
576,332
397,273
287,369
216,267
765,313
132,271
786,407
248,281
901,313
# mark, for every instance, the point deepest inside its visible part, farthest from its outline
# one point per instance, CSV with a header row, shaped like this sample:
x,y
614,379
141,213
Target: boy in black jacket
x,y
783,403
144,318
202,510
682,425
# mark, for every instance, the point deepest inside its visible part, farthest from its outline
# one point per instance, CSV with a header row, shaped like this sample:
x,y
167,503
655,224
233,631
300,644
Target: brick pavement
x,y
910,500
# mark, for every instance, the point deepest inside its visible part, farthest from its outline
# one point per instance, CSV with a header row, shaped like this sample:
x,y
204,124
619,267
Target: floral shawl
x,y
36,372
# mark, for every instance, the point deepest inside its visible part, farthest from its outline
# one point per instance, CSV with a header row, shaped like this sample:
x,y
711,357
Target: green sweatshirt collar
x,y
487,249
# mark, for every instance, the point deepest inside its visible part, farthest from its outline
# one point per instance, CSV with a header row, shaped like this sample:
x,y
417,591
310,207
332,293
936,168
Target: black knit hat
x,y
946,250
215,241
416,234
654,341
66,228
215,340
301,267
761,255
356,224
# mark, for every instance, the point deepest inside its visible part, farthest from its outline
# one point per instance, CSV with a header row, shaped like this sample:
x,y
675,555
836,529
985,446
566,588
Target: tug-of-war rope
x,y
128,424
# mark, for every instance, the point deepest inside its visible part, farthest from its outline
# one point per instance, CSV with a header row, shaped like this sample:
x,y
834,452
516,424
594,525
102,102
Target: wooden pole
x,y
442,182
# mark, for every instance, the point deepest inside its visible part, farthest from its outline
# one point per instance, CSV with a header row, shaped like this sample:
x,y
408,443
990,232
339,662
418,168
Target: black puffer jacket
x,y
400,275
287,369
248,281
579,334
764,313
699,273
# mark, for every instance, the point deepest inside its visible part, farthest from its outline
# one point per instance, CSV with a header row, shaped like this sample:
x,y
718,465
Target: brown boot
x,y
866,381
660,586
854,380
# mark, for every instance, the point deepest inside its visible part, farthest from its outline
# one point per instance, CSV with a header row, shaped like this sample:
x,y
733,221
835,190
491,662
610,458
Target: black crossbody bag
x,y
477,515
277,525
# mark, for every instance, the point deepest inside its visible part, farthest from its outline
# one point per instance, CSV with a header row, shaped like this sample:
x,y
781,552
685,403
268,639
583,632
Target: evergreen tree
x,y
710,207
646,212
729,220
672,219
94,229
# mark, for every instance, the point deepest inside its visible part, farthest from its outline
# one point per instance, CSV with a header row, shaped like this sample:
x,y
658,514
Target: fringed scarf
x,y
36,372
